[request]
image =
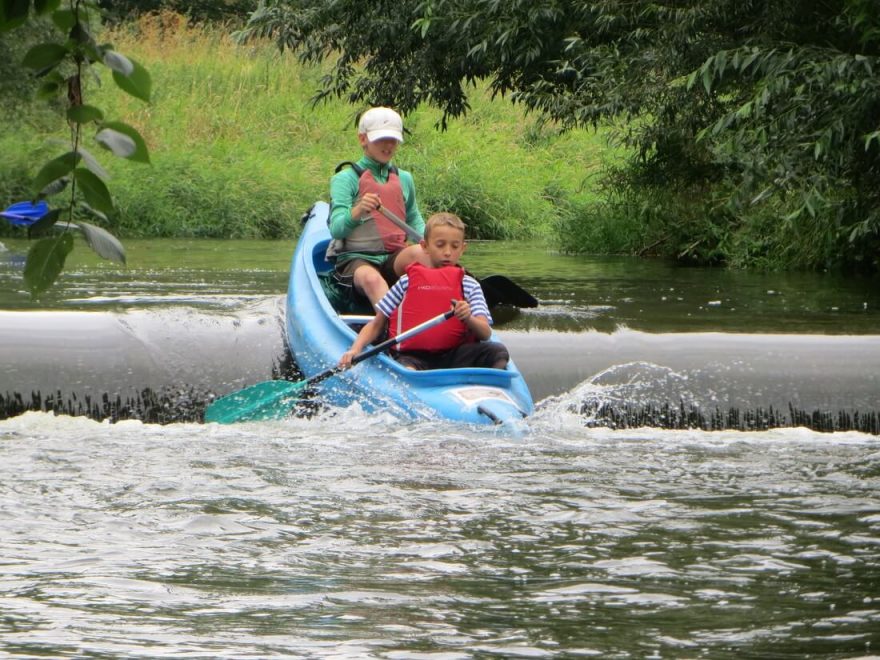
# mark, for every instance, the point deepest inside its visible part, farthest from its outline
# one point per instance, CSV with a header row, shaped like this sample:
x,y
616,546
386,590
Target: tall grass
x,y
239,151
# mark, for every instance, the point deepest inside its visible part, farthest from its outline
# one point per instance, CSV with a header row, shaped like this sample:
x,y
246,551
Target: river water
x,y
349,535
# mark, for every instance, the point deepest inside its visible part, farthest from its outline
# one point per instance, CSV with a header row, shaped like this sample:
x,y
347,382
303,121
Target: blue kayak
x,y
318,335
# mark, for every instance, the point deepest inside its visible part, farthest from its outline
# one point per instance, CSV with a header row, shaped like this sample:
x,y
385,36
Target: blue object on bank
x,y
24,214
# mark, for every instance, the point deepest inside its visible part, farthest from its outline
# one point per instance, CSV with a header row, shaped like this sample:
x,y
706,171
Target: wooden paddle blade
x,y
501,290
271,399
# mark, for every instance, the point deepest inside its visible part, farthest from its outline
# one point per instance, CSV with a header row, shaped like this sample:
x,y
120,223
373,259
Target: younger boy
x,y
426,291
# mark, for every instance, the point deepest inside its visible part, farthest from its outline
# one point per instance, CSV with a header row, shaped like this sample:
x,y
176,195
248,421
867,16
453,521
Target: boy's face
x,y
382,150
444,246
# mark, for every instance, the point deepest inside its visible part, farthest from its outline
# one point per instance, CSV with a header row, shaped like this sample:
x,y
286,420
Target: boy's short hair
x,y
444,219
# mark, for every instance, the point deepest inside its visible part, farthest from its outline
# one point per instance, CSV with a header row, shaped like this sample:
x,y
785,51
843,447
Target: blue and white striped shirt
x,y
473,293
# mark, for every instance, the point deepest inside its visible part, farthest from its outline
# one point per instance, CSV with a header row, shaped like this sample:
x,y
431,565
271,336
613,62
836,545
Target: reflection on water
x,y
357,537
576,293
605,293
159,272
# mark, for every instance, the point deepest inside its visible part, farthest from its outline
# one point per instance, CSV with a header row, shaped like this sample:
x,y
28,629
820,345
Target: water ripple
x,y
354,536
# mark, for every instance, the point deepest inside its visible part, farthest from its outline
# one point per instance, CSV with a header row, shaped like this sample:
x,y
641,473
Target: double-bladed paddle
x,y
497,289
501,290
274,399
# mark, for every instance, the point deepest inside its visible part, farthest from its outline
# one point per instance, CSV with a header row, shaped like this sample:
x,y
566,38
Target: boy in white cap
x,y
369,250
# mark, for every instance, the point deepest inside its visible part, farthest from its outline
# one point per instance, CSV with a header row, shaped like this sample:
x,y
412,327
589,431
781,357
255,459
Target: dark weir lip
x,y
153,367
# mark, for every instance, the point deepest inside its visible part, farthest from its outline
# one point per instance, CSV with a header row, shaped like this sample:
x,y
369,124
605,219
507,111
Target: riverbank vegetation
x,y
754,124
239,151
725,133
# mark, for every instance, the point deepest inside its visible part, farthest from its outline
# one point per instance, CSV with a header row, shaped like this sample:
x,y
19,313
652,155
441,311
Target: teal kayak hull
x,y
317,336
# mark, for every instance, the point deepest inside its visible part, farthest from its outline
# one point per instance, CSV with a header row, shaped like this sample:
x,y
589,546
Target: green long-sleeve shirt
x,y
344,193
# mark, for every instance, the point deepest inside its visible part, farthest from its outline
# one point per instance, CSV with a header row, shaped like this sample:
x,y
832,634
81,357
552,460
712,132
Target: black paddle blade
x,y
501,290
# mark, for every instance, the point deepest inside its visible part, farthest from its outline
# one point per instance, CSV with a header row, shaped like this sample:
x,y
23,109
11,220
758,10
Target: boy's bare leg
x,y
369,281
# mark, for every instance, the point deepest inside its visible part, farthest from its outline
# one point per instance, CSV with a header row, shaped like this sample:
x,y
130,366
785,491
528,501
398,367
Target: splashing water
x,y
355,536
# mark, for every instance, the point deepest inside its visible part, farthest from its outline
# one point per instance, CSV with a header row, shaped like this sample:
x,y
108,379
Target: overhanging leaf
x,y
707,80
55,187
64,19
51,84
92,163
83,114
93,212
123,140
55,169
104,243
117,142
13,13
137,83
80,34
45,261
44,56
118,62
94,190
45,6
44,224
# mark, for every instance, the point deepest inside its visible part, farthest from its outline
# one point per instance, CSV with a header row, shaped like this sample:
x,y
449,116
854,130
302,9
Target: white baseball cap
x,y
380,123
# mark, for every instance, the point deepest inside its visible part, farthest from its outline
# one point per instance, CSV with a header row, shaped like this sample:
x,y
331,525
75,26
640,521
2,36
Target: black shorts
x,y
473,354
344,273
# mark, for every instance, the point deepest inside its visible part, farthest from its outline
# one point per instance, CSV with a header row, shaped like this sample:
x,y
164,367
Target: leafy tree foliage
x,y
62,64
16,83
198,10
755,123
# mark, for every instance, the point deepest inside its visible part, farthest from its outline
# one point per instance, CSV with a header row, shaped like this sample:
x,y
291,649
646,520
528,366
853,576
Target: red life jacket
x,y
379,235
391,194
430,293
